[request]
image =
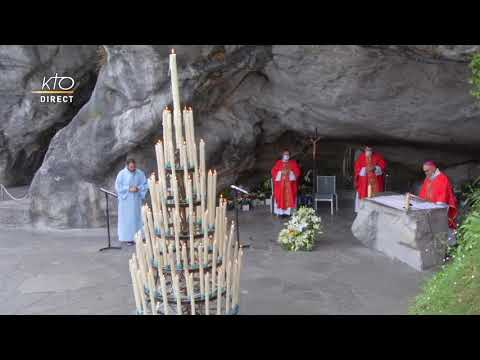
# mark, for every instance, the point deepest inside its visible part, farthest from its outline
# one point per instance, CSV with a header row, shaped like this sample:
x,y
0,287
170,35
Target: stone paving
x,y
46,271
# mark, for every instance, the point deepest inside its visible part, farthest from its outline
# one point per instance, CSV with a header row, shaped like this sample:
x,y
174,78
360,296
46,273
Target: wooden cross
x,y
314,141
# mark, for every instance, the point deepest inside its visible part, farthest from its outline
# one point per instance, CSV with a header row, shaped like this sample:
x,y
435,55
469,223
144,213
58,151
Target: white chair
x,y
326,191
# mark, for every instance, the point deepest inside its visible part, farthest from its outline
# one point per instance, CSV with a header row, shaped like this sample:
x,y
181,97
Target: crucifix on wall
x,y
314,141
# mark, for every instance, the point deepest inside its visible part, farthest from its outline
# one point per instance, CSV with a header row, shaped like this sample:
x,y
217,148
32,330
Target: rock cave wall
x,y
412,102
27,125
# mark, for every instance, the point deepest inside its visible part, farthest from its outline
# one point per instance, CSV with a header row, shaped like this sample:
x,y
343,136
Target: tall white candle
x,y
233,284
235,253
240,257
176,195
219,289
205,224
214,191
207,294
166,135
159,149
227,285
176,226
205,249
174,80
183,155
187,137
200,263
209,198
163,247
134,285
185,266
171,152
191,123
192,294
177,294
171,260
203,175
230,240
196,187
147,232
193,147
151,292
141,289
153,237
177,120
164,293
214,264
173,164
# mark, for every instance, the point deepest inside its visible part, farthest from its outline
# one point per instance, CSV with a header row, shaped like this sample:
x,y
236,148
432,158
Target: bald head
x,y
368,150
429,168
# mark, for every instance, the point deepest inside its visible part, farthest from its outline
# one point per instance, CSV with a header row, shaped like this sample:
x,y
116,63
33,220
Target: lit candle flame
x,y
173,51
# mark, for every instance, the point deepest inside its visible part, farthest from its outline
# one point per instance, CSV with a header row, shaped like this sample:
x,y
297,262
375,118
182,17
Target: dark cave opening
x,y
333,158
28,161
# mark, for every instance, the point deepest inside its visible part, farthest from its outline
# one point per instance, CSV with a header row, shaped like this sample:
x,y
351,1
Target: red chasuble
x,y
440,189
285,191
377,181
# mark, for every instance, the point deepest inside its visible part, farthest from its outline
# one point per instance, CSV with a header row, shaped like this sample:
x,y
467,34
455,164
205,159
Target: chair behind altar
x,y
326,191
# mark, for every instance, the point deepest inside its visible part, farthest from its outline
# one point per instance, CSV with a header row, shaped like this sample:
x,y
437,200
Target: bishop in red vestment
x,y
438,188
286,175
370,170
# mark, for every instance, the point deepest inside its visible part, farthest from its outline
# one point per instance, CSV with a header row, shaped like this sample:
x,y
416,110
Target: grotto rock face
x,y
27,125
124,115
404,99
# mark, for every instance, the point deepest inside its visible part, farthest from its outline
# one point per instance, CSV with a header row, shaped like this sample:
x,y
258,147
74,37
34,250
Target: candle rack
x,y
186,259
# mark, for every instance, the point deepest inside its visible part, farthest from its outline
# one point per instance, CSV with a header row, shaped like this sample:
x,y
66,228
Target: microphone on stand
x,y
237,190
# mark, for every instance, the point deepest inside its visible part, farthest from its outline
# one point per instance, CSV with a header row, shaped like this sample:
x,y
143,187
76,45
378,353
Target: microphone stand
x,y
109,247
235,203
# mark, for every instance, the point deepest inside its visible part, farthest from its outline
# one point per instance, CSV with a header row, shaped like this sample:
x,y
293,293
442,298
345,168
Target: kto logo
x,y
61,86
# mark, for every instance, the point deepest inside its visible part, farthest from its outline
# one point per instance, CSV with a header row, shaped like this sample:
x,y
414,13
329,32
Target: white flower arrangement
x,y
301,230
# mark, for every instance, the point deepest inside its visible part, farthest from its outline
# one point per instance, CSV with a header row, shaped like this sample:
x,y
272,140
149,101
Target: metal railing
x,y
4,191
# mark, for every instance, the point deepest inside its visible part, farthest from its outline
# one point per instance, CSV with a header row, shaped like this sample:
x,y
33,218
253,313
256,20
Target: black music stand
x,y
235,199
107,193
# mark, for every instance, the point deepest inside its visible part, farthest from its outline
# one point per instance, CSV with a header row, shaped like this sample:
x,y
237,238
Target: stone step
x,y
13,212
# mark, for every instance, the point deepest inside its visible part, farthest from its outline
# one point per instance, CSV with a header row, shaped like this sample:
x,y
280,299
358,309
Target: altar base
x,y
417,237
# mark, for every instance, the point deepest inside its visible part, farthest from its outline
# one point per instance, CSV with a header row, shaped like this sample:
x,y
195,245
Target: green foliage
x,y
475,79
227,193
266,186
455,289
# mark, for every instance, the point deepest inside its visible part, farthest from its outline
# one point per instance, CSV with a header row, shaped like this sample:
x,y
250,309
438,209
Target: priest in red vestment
x,y
438,188
286,176
370,170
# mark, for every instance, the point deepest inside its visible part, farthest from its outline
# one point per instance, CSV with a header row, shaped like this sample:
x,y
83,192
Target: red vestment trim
x,y
285,191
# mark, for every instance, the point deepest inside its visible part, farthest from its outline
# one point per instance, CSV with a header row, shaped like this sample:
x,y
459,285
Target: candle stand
x,y
186,260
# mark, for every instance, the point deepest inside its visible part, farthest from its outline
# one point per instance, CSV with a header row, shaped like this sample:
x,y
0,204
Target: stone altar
x,y
417,236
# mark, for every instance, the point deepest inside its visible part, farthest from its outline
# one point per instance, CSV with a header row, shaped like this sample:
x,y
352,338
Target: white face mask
x,y
285,157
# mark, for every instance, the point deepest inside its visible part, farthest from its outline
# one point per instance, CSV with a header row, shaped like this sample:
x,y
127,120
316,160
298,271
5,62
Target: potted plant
x,y
266,190
261,198
245,203
301,231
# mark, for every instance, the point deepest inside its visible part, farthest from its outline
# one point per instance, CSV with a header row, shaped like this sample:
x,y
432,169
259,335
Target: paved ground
x,y
62,272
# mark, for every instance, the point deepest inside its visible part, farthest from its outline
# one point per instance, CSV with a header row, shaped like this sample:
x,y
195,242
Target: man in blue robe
x,y
131,186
